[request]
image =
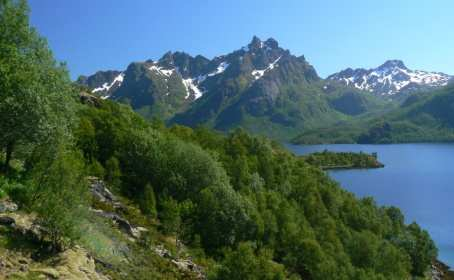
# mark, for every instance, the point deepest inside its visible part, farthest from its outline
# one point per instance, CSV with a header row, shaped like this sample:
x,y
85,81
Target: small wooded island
x,y
343,160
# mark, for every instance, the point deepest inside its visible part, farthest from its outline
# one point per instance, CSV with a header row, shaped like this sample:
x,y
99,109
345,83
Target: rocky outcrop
x,y
440,271
123,224
73,264
23,224
185,265
7,221
89,99
101,193
7,206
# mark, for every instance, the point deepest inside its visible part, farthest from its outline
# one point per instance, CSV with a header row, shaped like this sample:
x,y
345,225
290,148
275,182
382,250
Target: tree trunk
x,y
9,154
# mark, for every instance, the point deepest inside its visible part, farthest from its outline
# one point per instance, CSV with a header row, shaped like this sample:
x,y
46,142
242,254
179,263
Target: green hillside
x,y
425,117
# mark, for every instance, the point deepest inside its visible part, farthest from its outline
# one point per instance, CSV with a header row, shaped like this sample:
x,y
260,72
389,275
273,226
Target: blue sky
x,y
93,35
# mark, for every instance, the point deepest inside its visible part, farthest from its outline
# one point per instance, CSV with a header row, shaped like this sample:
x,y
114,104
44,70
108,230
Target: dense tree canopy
x,y
248,194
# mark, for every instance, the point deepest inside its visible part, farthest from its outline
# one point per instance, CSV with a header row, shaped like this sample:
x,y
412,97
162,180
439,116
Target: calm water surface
x,y
417,178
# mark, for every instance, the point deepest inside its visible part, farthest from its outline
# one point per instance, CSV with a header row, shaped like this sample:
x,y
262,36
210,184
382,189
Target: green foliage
x,y
96,169
2,193
113,172
244,264
35,103
170,216
420,247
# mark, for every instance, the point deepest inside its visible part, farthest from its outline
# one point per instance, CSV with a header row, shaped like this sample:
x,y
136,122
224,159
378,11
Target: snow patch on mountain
x,y
106,86
160,70
259,73
190,86
220,69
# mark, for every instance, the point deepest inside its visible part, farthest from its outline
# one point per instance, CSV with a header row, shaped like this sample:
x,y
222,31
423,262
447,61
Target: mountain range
x,y
391,78
260,87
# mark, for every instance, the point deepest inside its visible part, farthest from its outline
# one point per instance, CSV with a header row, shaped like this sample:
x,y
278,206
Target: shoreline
x,y
350,167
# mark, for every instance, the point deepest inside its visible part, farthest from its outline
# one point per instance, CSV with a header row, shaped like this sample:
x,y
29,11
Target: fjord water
x,y
417,178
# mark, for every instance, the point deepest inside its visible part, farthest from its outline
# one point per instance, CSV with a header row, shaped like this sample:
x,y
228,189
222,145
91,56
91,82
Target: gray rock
x,y
122,223
7,206
100,191
181,263
7,221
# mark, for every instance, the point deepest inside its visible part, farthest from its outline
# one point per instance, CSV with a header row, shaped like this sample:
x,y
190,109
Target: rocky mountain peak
x,y
395,63
255,43
272,43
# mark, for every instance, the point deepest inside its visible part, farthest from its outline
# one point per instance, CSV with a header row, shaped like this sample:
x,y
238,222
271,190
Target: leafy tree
x,y
244,264
419,246
221,218
169,215
85,134
113,172
35,91
148,203
59,196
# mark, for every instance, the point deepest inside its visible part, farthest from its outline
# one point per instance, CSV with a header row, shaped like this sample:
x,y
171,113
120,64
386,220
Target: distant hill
x,y
426,117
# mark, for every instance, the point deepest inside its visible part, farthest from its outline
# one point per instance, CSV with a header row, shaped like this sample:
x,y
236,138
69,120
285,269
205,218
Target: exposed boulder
x,y
123,224
100,192
7,221
7,206
24,224
440,271
89,99
182,264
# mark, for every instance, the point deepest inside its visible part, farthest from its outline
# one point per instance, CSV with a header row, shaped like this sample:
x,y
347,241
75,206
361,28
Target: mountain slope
x,y
391,78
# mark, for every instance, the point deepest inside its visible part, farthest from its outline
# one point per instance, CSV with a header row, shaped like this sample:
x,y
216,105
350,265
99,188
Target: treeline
x,y
339,160
251,208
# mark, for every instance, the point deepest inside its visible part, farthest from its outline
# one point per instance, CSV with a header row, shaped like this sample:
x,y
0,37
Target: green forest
x,y
243,207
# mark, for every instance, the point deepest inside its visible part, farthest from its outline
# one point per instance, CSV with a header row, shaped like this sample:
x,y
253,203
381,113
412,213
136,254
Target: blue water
x,y
417,178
